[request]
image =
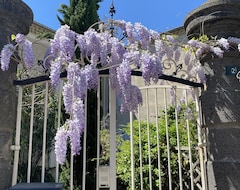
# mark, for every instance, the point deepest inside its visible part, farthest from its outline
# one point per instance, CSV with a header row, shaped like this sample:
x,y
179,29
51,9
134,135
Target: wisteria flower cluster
x,y
27,52
82,56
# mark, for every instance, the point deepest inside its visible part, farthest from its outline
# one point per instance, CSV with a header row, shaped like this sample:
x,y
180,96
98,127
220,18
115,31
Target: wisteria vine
x,y
142,49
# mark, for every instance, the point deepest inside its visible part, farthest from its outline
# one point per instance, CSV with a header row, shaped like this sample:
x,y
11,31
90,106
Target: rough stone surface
x,y
16,17
219,18
223,175
223,165
224,143
221,100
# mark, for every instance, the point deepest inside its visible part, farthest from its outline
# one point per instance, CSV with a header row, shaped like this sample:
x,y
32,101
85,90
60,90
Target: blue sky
x,y
158,15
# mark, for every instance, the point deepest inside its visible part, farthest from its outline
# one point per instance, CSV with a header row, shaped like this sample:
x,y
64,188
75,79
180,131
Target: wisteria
x,y
151,68
63,44
28,54
61,145
6,55
55,67
77,126
139,49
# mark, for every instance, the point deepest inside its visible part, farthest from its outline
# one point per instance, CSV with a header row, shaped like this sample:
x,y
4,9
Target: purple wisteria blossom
x,y
77,126
143,35
92,76
187,58
63,44
73,69
77,80
82,44
93,45
199,72
28,54
224,43
201,48
105,48
56,67
19,38
117,55
133,57
218,48
135,100
130,32
6,54
217,51
177,54
160,46
193,43
154,34
124,79
151,68
68,97
61,145
170,39
74,134
233,40
27,49
66,46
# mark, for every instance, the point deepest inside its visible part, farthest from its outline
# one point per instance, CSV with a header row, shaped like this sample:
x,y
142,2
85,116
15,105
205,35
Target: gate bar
x,y
178,140
16,147
132,152
106,72
158,140
84,147
149,144
44,132
201,145
112,110
31,136
98,131
140,148
189,143
168,143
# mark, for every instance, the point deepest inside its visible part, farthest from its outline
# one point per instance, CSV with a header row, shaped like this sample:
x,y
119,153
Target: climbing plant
x,y
119,48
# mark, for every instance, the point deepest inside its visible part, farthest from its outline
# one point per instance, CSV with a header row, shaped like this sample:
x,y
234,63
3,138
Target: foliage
x,y
124,153
65,176
80,14
37,141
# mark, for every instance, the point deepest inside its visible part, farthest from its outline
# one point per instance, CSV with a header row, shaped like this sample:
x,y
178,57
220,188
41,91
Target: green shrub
x,y
124,153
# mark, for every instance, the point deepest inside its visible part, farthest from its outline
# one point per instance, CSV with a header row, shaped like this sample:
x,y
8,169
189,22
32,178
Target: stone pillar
x,y
221,100
15,17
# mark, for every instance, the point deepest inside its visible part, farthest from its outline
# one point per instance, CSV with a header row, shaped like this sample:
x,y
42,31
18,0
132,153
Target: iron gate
x,y
164,137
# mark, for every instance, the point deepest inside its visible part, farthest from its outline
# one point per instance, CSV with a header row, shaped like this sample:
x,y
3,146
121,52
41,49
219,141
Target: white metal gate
x,y
168,131
166,151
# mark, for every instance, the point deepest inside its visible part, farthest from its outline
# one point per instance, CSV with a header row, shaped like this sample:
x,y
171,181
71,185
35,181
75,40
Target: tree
x,y
80,14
